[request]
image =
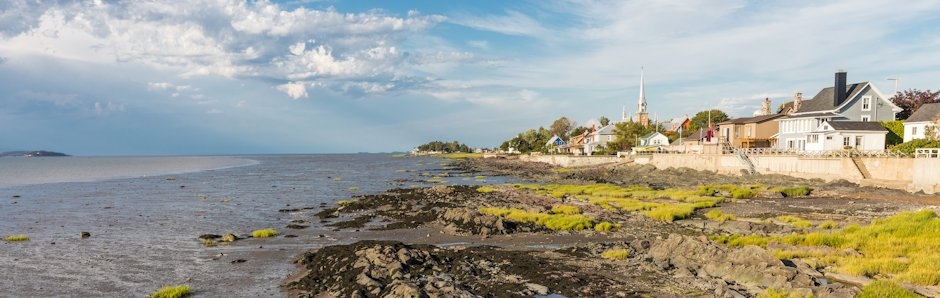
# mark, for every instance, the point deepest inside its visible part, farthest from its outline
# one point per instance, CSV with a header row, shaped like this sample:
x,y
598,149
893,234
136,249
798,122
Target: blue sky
x,y
236,77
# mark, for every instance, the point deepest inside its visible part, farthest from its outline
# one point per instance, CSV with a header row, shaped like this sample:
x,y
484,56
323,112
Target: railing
x,y
927,153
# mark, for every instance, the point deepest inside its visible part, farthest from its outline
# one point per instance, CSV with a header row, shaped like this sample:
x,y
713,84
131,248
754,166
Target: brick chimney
x,y
797,102
838,94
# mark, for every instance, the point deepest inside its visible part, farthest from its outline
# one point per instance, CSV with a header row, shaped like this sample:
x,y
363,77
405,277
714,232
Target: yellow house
x,y
753,132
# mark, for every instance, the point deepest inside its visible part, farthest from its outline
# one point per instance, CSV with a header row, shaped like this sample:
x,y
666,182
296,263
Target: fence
x,y
927,153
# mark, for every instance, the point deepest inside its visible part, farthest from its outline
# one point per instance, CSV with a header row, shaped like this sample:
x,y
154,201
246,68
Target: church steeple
x,y
641,115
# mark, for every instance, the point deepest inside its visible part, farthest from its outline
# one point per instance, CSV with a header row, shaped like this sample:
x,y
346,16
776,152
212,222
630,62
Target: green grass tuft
x,y
566,209
337,179
880,288
345,202
794,221
353,188
669,213
171,292
264,233
616,253
719,216
828,225
796,191
209,242
229,237
557,222
16,238
606,227
774,293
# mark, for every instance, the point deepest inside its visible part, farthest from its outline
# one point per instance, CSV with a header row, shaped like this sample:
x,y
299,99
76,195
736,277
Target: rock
x,y
537,288
85,235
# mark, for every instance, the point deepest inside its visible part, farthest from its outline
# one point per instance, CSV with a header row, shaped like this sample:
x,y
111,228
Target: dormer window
x,y
866,103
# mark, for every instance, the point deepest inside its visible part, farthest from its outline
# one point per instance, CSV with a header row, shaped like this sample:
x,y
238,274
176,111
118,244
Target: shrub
x,y
264,233
606,227
881,288
796,191
719,216
16,238
566,209
910,146
616,253
171,292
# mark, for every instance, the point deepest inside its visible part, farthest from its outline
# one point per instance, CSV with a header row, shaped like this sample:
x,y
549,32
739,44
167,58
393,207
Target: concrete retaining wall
x,y
905,173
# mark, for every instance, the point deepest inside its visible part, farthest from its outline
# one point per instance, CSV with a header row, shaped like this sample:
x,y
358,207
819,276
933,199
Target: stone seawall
x,y
921,174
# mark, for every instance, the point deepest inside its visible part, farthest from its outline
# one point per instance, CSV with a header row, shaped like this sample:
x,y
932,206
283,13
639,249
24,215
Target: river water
x,y
144,215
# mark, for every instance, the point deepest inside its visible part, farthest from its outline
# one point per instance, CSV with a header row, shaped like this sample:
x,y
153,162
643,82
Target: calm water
x,y
144,228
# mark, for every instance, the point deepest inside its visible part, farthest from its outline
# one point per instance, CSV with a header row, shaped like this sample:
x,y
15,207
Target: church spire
x,y
641,103
641,115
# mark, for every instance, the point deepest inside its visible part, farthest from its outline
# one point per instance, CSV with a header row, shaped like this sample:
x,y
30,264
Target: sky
x,y
195,77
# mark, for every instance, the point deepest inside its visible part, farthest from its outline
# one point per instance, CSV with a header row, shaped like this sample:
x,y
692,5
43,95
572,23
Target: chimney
x,y
797,102
765,107
839,89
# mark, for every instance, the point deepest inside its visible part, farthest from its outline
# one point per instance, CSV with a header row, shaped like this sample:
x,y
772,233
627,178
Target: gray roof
x,y
818,115
650,135
857,126
606,130
926,112
699,134
823,100
756,119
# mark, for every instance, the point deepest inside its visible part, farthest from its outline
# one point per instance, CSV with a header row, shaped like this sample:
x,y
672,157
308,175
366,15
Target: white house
x,y
861,102
838,135
916,126
654,139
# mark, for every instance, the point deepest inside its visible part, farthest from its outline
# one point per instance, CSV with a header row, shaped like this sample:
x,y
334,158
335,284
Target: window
x,y
865,118
858,142
914,131
813,138
747,132
845,141
866,103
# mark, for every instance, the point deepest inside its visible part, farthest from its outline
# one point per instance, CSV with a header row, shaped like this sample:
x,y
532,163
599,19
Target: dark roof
x,y
823,100
857,125
699,134
755,119
786,106
926,112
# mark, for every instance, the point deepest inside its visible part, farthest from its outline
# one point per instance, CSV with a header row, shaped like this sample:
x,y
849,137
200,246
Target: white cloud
x,y
479,44
295,90
107,108
159,86
512,23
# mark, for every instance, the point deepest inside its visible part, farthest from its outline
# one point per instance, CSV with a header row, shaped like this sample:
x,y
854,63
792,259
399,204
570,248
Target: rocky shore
x,y
502,256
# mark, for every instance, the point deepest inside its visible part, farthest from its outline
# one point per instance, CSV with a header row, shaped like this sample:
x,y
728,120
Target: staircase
x,y
861,167
747,162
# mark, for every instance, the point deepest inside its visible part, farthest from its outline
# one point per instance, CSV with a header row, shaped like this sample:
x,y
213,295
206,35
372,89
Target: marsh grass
x,y
169,178
16,238
902,248
793,192
606,227
461,155
264,233
719,216
828,225
229,237
337,179
487,189
775,293
616,253
353,188
171,292
209,242
794,221
556,222
880,288
566,209
631,199
345,202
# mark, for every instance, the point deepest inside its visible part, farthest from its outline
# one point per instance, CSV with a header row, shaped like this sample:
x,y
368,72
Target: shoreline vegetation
x,y
626,231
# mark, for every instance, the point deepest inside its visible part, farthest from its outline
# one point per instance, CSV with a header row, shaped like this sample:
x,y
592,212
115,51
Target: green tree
x,y
911,100
562,127
626,135
895,132
603,120
701,119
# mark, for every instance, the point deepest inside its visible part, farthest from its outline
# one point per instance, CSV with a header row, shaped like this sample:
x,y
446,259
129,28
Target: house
x,y
597,140
752,132
861,102
927,117
554,143
680,124
575,145
703,140
838,135
654,139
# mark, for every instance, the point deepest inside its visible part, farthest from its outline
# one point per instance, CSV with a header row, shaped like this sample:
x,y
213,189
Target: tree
x,y
603,120
562,127
577,131
895,132
626,135
701,119
910,100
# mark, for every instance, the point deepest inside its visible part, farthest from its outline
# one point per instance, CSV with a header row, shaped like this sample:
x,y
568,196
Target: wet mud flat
x,y
435,241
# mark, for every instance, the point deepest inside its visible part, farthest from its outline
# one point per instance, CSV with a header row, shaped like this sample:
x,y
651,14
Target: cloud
x,y
511,23
107,108
295,90
479,44
161,86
